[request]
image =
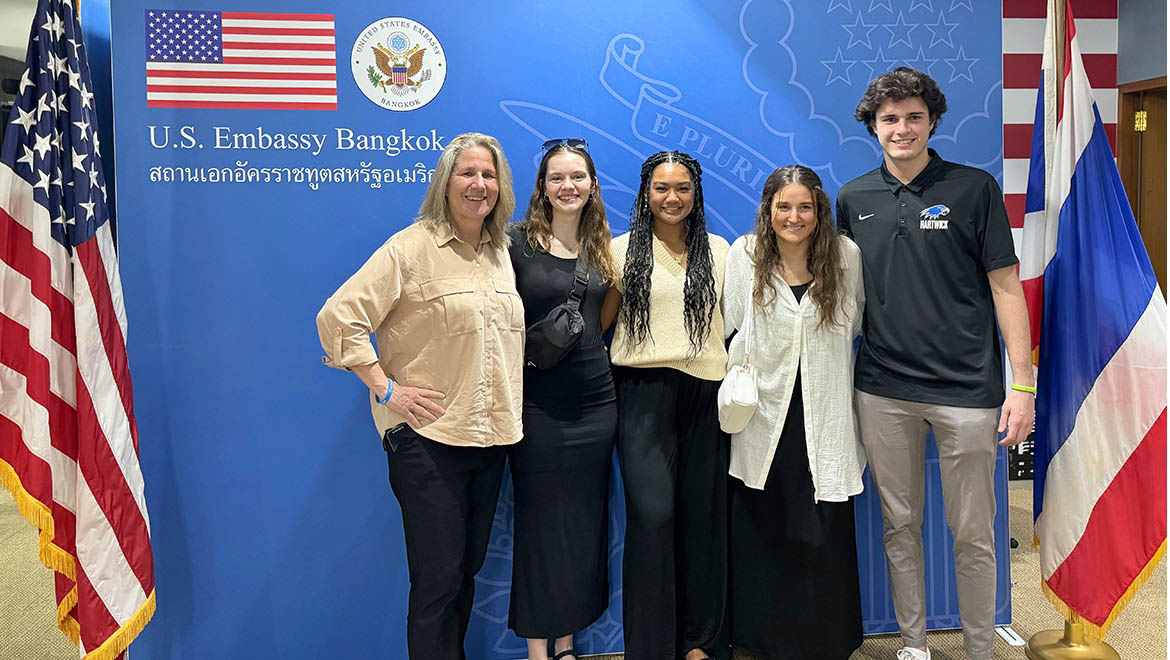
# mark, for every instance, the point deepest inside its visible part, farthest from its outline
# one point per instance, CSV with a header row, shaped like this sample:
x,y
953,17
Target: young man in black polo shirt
x,y
939,268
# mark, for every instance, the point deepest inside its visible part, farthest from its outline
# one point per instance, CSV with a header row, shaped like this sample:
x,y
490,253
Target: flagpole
x,y
1070,643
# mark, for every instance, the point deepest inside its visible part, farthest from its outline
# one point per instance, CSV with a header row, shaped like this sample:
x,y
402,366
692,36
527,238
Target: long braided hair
x,y
824,252
699,296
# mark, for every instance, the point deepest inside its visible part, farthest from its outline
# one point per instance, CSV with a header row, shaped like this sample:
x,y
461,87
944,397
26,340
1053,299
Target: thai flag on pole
x,y
1099,324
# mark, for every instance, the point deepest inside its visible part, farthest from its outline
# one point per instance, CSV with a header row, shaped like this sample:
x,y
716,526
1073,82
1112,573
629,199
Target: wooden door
x,y
1141,157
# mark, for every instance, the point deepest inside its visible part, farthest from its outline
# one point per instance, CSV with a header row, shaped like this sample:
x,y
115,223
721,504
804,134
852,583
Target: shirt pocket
x,y
455,302
509,306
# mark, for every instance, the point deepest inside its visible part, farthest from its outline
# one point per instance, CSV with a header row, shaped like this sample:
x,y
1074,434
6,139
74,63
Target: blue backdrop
x,y
275,532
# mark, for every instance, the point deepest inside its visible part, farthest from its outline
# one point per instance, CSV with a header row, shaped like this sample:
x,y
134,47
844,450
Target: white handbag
x,y
739,392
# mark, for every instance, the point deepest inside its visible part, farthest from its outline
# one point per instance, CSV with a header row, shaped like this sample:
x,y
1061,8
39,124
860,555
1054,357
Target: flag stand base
x,y
1069,644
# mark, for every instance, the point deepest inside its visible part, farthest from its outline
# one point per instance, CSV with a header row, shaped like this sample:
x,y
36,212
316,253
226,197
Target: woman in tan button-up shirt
x,y
445,384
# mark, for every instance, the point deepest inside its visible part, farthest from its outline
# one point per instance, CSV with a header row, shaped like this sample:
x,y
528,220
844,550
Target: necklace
x,y
679,258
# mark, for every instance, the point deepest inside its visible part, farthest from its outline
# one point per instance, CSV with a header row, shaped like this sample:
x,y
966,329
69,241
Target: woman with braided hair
x,y
669,359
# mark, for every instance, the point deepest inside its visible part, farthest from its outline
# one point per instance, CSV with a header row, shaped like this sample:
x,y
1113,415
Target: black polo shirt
x,y
930,333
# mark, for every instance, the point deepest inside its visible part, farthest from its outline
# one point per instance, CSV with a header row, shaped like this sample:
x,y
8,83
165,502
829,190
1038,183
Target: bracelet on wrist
x,y
389,390
1024,388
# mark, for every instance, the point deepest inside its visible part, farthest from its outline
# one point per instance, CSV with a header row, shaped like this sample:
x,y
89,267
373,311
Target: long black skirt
x,y
560,476
794,579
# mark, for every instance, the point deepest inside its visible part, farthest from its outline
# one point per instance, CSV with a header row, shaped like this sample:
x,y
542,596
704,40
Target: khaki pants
x,y
894,434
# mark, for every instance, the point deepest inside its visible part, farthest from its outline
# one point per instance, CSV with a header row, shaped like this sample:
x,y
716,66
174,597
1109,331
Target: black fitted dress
x,y
794,583
561,469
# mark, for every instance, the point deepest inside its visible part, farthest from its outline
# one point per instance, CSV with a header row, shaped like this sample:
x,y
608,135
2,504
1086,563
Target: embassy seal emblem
x,y
398,63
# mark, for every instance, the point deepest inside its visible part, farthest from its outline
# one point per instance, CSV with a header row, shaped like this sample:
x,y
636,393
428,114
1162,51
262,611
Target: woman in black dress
x,y
560,471
793,290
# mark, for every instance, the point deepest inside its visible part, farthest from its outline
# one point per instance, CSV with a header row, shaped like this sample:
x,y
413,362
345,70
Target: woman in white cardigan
x,y
794,580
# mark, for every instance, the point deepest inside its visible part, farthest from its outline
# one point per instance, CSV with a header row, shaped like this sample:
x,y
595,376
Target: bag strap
x,y
747,329
580,281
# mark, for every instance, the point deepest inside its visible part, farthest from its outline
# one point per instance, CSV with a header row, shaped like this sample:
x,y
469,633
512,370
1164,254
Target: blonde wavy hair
x,y
435,211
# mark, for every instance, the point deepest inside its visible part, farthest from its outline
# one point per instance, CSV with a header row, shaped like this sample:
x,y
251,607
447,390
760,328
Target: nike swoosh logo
x,y
865,217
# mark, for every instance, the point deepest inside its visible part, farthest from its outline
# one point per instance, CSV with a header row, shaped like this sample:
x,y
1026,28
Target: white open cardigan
x,y
784,334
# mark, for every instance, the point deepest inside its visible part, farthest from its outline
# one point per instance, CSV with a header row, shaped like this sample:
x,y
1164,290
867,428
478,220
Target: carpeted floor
x,y
28,630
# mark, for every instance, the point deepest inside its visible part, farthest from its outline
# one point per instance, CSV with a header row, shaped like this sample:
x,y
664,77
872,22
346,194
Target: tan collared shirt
x,y
445,317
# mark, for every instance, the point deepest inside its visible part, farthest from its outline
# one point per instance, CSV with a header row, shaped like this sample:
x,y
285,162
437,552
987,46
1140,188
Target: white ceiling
x,y
15,22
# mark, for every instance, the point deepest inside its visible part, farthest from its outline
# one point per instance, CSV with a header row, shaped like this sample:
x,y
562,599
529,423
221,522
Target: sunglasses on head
x,y
580,143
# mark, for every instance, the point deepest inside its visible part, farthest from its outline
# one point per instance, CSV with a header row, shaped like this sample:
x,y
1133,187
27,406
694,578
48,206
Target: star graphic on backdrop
x,y
922,4
881,4
962,3
941,31
839,4
857,29
900,32
838,68
879,64
961,66
921,62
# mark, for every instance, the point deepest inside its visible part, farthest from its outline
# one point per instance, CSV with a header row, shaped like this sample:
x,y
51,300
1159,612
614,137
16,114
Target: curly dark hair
x,y
901,83
592,230
699,295
824,253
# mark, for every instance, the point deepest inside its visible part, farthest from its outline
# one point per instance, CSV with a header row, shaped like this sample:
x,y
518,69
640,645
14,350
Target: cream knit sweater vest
x,y
668,344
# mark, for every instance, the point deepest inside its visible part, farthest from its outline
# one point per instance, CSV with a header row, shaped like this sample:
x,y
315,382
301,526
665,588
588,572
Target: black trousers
x,y
448,499
674,469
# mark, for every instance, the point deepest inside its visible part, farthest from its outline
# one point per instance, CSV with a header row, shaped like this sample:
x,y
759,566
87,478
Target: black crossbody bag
x,y
551,338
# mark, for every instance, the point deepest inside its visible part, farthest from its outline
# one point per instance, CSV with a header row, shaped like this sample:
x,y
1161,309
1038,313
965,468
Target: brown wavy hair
x,y
897,85
824,253
592,229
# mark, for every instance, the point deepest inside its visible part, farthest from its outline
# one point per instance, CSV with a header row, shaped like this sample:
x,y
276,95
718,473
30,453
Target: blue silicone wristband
x,y
389,391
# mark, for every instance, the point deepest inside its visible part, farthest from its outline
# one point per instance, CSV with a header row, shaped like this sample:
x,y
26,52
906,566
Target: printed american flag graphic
x,y
68,437
260,60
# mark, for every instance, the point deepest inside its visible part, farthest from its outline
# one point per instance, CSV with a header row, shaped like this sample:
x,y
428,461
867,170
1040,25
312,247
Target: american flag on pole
x,y
211,59
68,440
1100,463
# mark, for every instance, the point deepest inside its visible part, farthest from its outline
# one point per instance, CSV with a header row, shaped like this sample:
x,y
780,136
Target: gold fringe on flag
x,y
1099,631
120,640
35,511
65,620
